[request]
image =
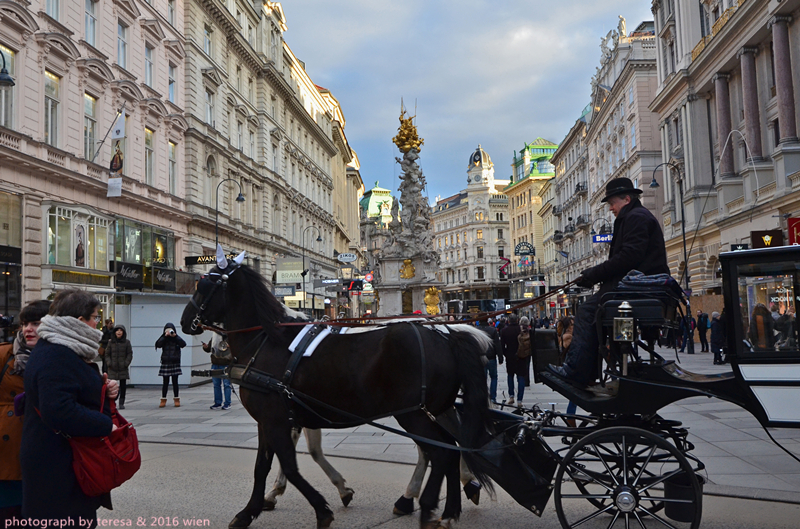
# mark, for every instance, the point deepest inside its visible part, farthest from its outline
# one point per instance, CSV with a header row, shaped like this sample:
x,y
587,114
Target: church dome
x,y
479,159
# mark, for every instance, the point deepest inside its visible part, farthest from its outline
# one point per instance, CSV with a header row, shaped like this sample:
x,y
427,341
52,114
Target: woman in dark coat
x,y
119,355
170,344
62,388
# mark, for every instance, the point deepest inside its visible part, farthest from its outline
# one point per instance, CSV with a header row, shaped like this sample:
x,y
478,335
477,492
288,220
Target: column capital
x,y
777,19
721,75
745,50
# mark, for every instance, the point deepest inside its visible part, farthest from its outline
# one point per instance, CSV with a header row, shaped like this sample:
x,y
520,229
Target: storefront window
x,y
75,238
145,245
133,244
10,220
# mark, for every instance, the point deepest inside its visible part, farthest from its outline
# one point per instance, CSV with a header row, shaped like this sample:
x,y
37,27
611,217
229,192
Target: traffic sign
x,y
368,277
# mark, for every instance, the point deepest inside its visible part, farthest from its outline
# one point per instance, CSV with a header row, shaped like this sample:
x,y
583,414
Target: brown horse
x,y
406,370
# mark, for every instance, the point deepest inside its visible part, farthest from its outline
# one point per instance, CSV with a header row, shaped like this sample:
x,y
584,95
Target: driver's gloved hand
x,y
584,282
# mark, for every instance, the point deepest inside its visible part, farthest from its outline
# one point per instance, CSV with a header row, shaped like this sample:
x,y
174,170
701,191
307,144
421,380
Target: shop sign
x,y
10,254
205,259
527,295
81,278
129,275
346,257
524,248
367,297
602,237
289,270
283,291
766,238
794,230
529,284
164,279
739,247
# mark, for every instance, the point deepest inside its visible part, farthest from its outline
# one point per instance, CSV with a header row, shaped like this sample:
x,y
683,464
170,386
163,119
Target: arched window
x,y
211,178
276,215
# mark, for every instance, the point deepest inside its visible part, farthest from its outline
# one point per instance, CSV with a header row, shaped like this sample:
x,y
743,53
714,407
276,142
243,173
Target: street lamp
x,y
239,199
654,185
604,230
304,272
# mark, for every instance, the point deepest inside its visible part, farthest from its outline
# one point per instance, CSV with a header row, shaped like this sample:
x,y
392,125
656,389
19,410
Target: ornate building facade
x,y
727,102
471,235
531,169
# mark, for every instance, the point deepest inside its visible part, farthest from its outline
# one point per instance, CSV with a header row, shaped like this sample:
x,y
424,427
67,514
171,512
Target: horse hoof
x,y
325,522
347,498
269,505
239,523
445,524
403,506
473,492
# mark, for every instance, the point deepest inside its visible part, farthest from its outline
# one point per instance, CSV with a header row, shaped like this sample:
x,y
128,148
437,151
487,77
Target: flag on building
x,y
118,131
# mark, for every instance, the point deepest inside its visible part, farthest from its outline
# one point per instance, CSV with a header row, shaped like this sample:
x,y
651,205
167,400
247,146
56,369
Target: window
x,y
239,137
624,146
633,136
7,95
89,126
148,66
239,79
250,35
122,45
91,22
252,152
479,234
74,242
500,234
171,89
501,252
207,41
479,274
209,107
171,12
51,102
173,168
149,156
458,254
51,8
458,238
479,251
250,92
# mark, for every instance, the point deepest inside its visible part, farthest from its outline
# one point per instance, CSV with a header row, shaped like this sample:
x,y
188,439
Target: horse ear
x,y
239,258
222,262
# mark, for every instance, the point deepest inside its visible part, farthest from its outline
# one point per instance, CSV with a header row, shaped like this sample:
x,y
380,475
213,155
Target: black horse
x,y
407,370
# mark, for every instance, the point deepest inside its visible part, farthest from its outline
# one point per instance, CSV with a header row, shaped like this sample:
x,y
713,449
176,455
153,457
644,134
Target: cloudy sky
x,y
492,72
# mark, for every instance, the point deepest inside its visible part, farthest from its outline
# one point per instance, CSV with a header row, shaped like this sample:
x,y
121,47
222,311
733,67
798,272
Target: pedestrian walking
x,y
717,338
118,356
13,358
494,353
220,357
508,340
63,388
170,344
703,324
688,325
108,333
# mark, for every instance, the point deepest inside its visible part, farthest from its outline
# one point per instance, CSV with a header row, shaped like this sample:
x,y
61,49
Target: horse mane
x,y
267,307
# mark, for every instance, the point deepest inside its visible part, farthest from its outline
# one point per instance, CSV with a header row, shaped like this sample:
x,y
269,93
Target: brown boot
x,y
177,402
162,403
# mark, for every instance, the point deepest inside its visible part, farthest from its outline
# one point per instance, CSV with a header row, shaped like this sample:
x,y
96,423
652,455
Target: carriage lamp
x,y
623,323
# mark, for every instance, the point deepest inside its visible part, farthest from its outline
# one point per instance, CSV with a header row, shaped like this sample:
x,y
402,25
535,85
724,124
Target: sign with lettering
x,y
535,284
205,259
319,283
524,248
163,279
10,254
289,270
766,238
129,275
794,230
602,237
283,291
346,257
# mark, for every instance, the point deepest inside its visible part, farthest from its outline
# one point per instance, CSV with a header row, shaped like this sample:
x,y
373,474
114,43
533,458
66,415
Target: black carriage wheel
x,y
627,477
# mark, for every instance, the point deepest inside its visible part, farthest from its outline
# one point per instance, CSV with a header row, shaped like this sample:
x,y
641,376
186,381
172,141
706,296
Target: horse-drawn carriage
x,y
620,465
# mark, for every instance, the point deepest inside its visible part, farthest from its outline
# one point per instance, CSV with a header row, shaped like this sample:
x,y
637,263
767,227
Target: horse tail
x,y
476,423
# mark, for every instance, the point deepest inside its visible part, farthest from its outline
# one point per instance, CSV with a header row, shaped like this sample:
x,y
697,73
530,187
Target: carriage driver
x,y
638,244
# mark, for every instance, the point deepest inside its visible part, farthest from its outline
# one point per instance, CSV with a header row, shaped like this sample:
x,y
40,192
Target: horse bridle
x,y
222,281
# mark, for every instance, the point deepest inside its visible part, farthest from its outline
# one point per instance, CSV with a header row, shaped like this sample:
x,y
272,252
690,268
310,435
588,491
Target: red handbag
x,y
102,464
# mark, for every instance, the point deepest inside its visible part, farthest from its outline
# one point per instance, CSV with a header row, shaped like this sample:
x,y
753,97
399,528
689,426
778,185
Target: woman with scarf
x,y
118,356
12,368
63,386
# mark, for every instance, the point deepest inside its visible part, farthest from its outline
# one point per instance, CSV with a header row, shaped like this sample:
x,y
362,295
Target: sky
x,y
497,73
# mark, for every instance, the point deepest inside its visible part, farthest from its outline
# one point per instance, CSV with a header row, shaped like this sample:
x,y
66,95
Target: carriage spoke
x,y
641,471
587,496
593,480
627,521
613,477
662,479
658,518
613,520
638,519
593,515
625,471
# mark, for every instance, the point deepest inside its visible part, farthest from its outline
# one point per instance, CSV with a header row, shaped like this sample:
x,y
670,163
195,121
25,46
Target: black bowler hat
x,y
620,186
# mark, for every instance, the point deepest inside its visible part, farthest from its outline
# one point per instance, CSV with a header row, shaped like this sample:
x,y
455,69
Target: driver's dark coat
x,y
638,244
